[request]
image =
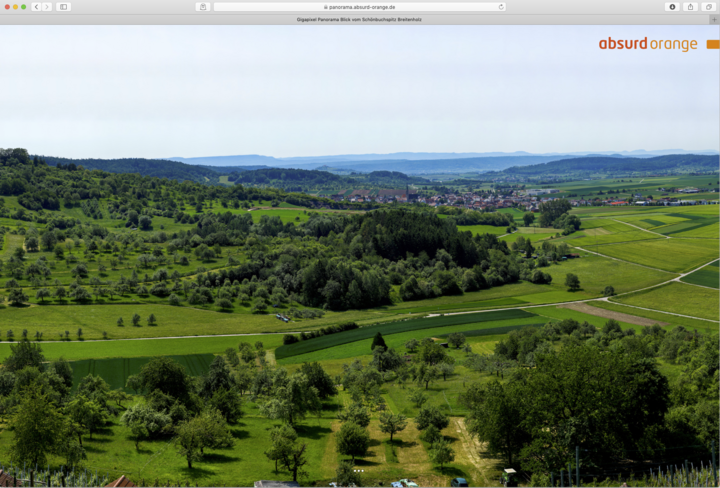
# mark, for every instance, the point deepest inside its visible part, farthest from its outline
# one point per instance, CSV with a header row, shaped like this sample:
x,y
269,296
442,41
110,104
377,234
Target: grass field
x,y
93,319
706,276
74,351
597,272
677,298
482,229
675,255
116,370
362,333
397,340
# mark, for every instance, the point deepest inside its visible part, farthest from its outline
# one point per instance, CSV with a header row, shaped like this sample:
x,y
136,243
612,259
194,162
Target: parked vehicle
x,y
458,482
408,483
508,478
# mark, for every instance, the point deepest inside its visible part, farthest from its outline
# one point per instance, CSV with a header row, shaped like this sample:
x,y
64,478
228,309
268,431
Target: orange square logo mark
x,y
713,44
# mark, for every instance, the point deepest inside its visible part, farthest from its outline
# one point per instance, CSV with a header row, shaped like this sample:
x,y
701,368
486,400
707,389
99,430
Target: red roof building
x,y
121,481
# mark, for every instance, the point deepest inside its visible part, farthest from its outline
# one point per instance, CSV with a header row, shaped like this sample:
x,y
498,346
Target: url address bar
x,y
358,7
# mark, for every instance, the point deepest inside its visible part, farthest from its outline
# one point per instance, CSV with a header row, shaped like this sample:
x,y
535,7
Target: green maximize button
x,y
22,6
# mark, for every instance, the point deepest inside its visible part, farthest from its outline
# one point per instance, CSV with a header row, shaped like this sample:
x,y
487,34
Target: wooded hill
x,y
673,163
145,167
305,180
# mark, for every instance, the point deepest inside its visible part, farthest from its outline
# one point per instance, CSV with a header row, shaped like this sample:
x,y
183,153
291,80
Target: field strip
x,y
610,314
623,261
169,337
663,311
694,284
631,225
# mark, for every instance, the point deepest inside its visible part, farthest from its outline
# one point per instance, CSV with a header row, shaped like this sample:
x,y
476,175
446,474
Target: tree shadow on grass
x,y
312,431
397,443
365,462
451,471
219,458
93,449
239,434
196,473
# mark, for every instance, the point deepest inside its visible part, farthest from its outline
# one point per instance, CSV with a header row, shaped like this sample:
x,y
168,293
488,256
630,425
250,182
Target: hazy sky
x,y
151,91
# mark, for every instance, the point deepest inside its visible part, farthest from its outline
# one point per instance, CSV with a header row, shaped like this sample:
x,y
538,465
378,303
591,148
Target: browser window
x,y
402,243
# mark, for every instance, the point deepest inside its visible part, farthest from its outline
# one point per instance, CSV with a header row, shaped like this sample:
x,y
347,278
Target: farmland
x,y
675,255
239,270
677,298
707,276
117,370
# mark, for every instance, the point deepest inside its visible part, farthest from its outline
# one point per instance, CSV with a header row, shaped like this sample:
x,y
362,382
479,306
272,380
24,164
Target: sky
x,y
191,91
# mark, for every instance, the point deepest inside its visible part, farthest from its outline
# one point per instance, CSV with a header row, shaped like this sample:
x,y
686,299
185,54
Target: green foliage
x,y
37,429
352,440
22,355
355,413
391,423
346,475
378,341
431,415
572,282
441,453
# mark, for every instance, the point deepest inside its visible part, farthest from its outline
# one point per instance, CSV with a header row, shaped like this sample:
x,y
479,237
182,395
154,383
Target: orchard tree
x,y
391,423
356,413
441,453
17,297
42,294
38,428
352,440
282,438
291,398
456,339
431,416
345,475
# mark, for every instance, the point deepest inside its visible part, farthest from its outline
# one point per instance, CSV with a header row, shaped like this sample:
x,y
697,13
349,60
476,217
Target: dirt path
x,y
640,228
472,448
609,314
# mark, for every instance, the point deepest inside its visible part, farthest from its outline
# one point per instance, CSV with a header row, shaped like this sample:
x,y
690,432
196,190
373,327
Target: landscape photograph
x,y
387,256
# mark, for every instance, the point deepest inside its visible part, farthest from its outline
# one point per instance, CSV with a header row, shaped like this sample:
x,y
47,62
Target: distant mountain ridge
x,y
254,159
614,165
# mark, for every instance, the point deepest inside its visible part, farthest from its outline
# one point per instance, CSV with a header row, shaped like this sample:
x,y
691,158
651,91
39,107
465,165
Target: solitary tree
x,y
392,424
418,398
441,453
572,282
609,291
151,319
528,218
135,319
456,339
352,440
378,341
120,322
42,294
